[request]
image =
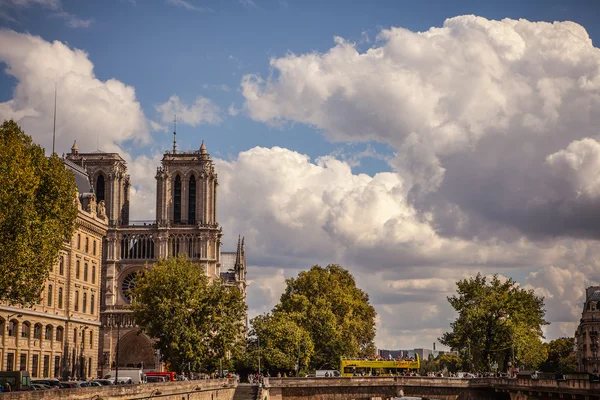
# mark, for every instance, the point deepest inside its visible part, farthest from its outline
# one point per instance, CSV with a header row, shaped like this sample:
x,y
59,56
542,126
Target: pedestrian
x,y
279,374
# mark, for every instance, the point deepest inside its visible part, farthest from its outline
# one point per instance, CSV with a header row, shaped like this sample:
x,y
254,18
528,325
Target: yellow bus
x,y
362,367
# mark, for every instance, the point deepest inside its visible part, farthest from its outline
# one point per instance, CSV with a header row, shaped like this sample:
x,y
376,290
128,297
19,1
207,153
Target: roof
x,y
595,296
82,179
228,260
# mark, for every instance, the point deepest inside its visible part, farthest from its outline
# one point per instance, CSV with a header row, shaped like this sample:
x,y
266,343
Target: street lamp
x,y
118,320
8,320
258,354
81,345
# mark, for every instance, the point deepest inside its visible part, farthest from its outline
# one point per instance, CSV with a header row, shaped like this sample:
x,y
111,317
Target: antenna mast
x,y
174,133
54,129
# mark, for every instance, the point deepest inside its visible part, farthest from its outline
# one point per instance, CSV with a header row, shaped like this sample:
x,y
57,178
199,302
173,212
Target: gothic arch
x,y
136,348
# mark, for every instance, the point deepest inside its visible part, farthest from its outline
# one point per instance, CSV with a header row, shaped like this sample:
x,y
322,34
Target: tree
x,y
336,314
37,214
495,319
194,322
561,357
449,361
280,343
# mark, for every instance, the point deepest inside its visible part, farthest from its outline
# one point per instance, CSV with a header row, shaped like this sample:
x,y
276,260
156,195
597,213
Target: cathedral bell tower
x,y
111,184
186,205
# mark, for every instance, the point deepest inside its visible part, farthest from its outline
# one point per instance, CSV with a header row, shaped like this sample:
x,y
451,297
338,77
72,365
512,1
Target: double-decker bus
x,y
362,367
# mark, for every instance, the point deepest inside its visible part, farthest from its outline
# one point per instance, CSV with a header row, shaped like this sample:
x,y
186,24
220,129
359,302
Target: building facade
x,y
58,337
586,335
186,223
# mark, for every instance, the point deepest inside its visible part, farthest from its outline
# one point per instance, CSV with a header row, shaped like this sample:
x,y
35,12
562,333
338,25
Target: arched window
x,y
25,330
2,327
92,304
49,295
78,241
83,338
177,199
76,300
87,244
192,201
94,247
59,334
37,331
84,303
61,268
93,273
91,339
12,327
77,268
100,188
48,332
60,297
75,336
85,271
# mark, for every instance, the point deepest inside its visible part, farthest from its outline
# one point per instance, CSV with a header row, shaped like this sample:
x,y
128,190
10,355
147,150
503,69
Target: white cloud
x,y
473,110
73,21
158,126
296,213
248,3
88,109
188,5
202,111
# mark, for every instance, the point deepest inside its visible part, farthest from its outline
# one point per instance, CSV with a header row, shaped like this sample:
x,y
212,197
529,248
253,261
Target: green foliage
x,y
427,366
336,315
282,344
531,353
450,362
494,318
194,321
561,358
37,214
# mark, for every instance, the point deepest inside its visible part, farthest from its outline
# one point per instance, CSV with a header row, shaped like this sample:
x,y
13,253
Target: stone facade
x,y
586,336
58,337
186,223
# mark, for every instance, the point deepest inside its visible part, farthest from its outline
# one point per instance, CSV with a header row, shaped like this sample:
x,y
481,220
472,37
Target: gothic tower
x,y
111,184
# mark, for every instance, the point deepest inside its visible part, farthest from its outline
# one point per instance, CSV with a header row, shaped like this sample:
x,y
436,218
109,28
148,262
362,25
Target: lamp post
x,y
117,318
258,354
81,357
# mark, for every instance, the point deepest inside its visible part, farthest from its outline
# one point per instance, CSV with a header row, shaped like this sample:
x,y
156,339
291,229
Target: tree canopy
x,y
335,314
561,357
495,318
195,322
284,346
37,214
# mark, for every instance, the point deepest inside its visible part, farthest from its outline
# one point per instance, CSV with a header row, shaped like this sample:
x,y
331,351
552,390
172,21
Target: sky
x,y
416,143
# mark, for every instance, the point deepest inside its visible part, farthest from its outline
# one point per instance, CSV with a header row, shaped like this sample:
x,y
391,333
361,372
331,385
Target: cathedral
x,y
186,223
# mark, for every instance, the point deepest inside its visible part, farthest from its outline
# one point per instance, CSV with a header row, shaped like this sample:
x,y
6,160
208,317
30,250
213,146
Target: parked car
x,y
39,386
53,383
69,385
89,384
104,382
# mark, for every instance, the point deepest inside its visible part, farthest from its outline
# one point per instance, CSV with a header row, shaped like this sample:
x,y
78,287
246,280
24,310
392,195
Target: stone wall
x,y
215,389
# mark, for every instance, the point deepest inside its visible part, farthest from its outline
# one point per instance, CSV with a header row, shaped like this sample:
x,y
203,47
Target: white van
x,y
327,373
136,376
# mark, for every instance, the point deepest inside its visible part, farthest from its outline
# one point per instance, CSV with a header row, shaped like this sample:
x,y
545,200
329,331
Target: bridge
x,y
383,388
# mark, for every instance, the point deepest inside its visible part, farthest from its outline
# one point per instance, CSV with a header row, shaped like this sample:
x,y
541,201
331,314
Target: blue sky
x,y
414,157
161,49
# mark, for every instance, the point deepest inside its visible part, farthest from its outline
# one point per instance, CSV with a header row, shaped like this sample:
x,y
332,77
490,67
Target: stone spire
x,y
75,148
203,148
238,255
